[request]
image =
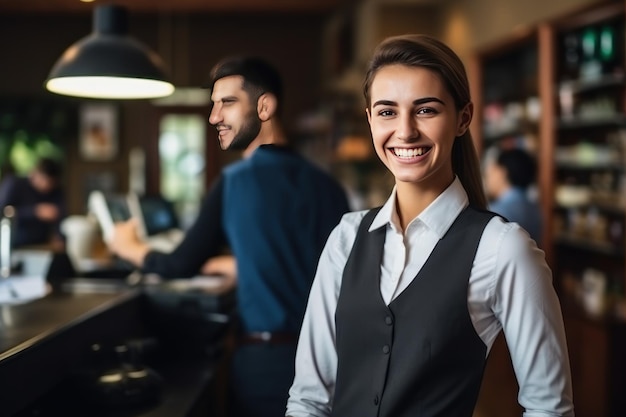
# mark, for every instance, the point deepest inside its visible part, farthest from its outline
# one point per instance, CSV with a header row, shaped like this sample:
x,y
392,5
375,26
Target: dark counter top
x,y
24,325
44,341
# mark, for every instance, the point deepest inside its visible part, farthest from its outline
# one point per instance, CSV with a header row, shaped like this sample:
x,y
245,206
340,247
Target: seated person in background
x,y
39,203
508,176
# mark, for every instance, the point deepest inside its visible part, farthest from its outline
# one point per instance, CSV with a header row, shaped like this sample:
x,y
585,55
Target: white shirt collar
x,y
438,216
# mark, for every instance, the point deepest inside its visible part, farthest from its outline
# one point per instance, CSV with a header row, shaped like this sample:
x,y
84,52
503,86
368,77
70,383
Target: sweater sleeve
x,y
204,239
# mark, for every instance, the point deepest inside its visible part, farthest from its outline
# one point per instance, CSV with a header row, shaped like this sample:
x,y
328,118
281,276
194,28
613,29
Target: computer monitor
x,y
158,215
157,219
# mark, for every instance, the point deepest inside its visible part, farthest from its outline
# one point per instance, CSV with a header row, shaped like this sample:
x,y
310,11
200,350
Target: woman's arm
x,y
530,313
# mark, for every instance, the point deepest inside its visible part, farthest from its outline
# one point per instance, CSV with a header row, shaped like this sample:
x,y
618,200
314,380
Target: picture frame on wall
x,y
104,181
98,132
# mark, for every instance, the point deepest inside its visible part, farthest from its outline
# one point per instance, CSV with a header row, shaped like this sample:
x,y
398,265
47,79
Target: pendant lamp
x,y
109,64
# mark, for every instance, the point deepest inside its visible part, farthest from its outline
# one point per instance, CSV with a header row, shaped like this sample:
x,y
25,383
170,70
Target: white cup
x,y
80,233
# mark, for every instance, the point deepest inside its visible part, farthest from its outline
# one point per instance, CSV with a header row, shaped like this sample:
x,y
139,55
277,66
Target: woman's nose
x,y
407,128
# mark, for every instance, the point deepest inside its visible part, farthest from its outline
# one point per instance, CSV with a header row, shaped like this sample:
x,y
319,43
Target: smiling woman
x,y
432,322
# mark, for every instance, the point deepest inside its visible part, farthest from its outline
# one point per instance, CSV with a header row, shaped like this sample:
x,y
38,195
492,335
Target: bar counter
x,y
45,341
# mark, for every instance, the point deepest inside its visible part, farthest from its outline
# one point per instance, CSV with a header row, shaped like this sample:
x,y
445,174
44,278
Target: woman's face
x,y
414,122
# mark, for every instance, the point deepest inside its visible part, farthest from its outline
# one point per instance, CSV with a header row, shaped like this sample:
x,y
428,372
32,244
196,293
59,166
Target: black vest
x,y
420,356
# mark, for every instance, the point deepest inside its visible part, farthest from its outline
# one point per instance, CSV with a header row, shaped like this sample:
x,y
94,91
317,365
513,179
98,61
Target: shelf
x,y
586,244
573,308
617,120
515,133
605,81
605,207
579,166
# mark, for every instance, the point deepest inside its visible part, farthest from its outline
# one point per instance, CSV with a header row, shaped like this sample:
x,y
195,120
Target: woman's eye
x,y
426,110
385,113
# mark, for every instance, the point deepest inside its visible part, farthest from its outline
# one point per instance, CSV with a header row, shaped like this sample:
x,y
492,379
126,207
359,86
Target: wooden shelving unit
x,y
506,81
580,134
505,86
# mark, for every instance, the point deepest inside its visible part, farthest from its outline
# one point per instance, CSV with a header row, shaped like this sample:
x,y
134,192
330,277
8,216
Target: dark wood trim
x,y
547,74
589,15
518,38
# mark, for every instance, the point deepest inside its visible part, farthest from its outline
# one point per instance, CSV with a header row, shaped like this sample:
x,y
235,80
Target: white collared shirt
x,y
510,289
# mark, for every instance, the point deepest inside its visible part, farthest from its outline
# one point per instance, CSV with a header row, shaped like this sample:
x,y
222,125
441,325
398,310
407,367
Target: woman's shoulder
x,y
506,239
341,239
345,232
352,219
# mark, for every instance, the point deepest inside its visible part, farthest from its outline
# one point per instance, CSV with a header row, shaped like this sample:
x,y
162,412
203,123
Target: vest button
x,y
388,320
376,400
386,349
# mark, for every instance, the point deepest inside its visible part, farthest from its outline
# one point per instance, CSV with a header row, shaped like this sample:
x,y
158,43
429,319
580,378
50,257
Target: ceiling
x,y
76,6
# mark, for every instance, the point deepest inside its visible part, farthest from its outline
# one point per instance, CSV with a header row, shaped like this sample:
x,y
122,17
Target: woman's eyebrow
x,y
427,100
384,103
415,102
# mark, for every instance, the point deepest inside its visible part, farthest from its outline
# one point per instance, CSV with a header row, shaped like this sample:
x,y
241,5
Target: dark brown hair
x,y
428,52
49,167
259,76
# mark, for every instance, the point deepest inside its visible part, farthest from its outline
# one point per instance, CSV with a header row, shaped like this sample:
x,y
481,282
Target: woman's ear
x,y
465,118
369,116
266,106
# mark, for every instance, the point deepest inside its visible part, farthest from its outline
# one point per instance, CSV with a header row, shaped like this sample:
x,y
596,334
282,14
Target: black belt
x,y
267,338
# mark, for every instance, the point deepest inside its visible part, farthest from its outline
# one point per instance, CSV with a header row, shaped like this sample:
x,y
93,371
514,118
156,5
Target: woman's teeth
x,y
409,153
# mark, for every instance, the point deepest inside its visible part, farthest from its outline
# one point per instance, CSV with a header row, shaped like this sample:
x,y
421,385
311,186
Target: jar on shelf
x,y
594,292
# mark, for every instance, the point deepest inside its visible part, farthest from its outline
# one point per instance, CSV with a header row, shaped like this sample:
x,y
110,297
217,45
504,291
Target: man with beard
x,y
274,209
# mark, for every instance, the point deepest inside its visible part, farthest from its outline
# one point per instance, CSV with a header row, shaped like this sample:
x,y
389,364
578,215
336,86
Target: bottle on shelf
x,y
6,224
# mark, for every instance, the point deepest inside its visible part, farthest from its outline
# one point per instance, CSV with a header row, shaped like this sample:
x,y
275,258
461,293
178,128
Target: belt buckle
x,y
265,336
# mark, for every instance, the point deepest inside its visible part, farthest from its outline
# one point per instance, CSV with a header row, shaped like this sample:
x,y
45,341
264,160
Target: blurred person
x,y
6,170
509,174
409,297
39,203
274,209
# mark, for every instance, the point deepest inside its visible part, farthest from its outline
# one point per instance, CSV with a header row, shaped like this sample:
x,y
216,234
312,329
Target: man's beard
x,y
249,131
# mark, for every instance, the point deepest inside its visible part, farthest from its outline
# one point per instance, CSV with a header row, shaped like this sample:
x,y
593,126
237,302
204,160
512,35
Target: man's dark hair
x,y
49,167
520,166
259,76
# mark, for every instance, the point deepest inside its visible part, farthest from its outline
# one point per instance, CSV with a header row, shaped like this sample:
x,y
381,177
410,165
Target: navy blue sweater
x,y
275,211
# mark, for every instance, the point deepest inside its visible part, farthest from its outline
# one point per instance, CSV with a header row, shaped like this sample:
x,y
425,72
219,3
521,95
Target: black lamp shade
x,y
109,64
